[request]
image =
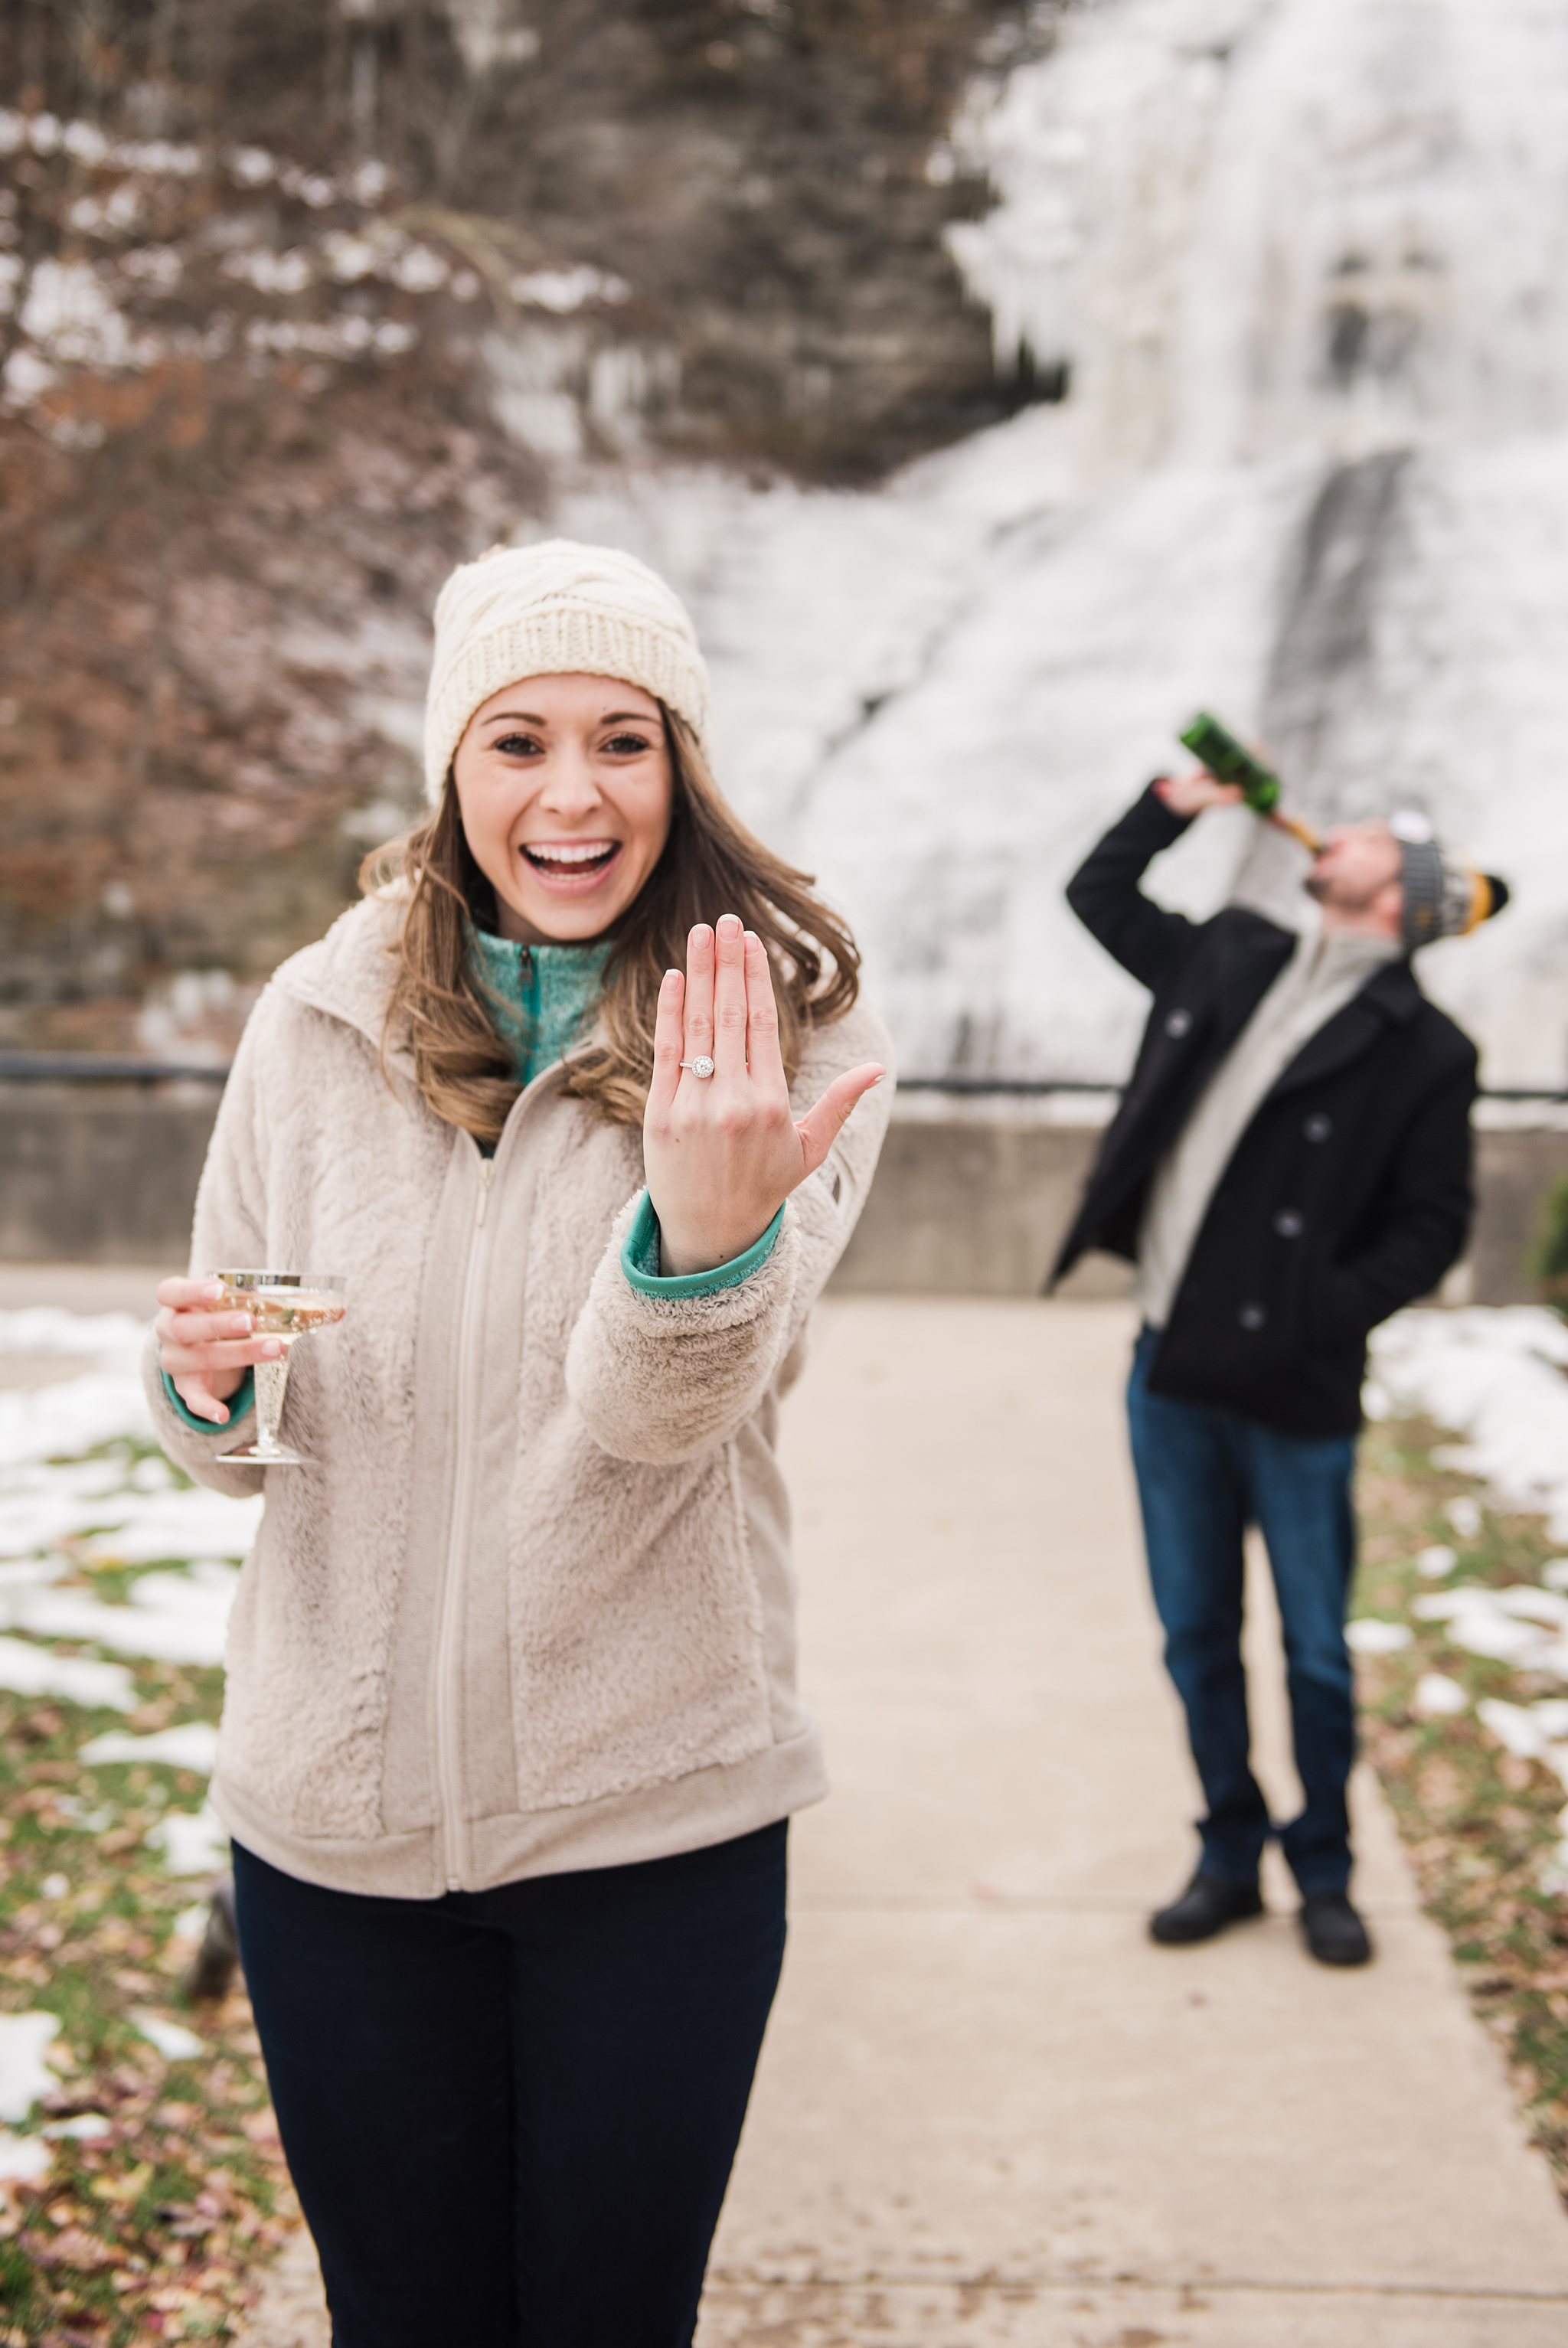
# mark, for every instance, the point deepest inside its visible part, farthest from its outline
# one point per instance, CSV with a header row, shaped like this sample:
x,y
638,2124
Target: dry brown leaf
x,y
77,2247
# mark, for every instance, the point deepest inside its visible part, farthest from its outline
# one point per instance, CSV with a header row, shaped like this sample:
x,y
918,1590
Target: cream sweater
x,y
534,1609
1318,980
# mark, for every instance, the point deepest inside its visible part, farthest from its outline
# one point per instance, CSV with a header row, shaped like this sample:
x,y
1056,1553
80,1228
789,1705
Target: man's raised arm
x,y
1104,892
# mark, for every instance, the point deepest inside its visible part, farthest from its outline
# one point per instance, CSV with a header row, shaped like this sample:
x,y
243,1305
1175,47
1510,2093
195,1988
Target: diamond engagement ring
x,y
701,1067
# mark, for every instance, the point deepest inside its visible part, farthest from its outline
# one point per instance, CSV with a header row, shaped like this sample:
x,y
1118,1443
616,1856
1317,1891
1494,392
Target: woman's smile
x,y
570,868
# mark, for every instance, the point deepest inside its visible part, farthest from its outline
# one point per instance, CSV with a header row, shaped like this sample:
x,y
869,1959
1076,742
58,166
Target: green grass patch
x,y
1479,1823
153,2229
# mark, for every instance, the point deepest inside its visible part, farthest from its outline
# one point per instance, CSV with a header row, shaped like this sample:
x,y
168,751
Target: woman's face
x,y
565,792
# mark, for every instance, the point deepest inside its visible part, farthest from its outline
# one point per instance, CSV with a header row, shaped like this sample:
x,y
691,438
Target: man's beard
x,y
1323,891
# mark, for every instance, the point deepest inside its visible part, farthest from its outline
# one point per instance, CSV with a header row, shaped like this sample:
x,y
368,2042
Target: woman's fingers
x,y
669,1044
178,1293
762,1054
209,1348
229,1354
199,1400
202,1326
205,1345
729,1003
216,1336
821,1126
697,1020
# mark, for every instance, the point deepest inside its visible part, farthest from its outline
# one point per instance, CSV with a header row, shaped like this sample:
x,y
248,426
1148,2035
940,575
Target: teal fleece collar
x,y
540,998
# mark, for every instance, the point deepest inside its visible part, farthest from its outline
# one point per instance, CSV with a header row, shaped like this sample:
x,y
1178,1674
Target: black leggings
x,y
511,2115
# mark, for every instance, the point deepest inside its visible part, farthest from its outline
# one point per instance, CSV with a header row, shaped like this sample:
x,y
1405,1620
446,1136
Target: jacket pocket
x,y
1337,1318
637,1631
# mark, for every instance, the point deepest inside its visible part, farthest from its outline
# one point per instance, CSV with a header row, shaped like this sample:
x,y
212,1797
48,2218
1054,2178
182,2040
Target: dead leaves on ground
x,y
1478,1823
156,2227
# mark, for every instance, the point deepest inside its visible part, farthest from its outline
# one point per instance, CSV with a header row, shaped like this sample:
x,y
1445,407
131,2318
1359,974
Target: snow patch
x,y
1368,1636
191,1843
1437,1693
192,1746
1532,1732
88,2127
34,1671
22,2158
174,1618
62,1421
568,289
1520,1625
172,2039
25,2040
1496,1376
51,1328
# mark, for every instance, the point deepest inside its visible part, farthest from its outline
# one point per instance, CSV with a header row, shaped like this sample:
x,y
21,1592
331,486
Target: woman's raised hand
x,y
205,1345
722,1152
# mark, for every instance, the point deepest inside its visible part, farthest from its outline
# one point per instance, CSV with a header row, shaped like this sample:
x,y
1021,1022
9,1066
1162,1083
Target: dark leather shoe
x,y
1208,1903
1333,1931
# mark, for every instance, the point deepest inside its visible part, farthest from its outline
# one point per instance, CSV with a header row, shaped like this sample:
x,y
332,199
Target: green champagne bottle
x,y
1216,748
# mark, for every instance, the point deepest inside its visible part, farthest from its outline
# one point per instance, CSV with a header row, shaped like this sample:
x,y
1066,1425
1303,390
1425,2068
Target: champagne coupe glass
x,y
286,1305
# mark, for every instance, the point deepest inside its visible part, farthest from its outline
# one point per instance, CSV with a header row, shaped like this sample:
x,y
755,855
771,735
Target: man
x,y
1290,1164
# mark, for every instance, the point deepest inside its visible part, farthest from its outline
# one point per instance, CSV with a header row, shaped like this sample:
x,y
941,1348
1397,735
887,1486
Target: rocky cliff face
x,y
302,302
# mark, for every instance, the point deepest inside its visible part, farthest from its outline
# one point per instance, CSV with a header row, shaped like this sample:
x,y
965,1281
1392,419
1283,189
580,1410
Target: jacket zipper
x,y
449,1654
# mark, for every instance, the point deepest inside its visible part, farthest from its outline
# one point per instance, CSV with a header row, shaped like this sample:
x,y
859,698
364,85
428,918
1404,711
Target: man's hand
x,y
1191,793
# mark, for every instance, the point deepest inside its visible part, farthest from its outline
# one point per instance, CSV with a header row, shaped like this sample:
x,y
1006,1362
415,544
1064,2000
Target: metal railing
x,y
1034,1087
1040,1087
105,1068
129,1067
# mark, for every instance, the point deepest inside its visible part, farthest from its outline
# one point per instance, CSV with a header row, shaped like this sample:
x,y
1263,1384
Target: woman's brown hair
x,y
711,865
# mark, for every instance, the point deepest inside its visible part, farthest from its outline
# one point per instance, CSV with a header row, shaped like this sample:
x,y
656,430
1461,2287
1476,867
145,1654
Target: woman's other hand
x,y
205,1345
724,1152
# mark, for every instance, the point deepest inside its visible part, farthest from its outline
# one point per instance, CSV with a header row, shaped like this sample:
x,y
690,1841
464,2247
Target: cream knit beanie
x,y
548,611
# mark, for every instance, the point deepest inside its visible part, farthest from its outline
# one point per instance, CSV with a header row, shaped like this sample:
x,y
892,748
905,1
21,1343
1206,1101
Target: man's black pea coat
x,y
1349,1195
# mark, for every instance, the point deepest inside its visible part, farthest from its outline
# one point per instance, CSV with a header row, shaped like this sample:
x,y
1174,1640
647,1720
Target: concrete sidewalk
x,y
989,2110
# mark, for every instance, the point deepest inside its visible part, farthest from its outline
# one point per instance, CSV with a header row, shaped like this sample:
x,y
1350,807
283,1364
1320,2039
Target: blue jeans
x,y
511,2115
1203,1475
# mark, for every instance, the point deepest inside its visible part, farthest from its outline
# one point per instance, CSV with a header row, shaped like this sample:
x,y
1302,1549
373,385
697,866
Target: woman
x,y
511,1734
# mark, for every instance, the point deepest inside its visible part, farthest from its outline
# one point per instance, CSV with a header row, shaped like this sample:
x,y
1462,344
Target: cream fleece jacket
x,y
534,1610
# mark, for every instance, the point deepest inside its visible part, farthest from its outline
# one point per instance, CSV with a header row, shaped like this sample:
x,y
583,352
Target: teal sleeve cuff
x,y
242,1400
640,1259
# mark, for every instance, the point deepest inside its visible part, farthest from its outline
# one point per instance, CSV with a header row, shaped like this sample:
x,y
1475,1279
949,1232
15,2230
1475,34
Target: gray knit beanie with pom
x,y
1445,897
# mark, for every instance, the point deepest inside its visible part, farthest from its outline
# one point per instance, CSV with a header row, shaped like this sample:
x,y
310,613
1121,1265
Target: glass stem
x,y
272,1378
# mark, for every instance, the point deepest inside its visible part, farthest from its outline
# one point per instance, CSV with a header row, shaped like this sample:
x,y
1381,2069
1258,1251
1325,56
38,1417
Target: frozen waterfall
x,y
1303,264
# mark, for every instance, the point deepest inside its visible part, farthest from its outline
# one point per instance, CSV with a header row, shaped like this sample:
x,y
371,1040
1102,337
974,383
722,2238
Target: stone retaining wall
x,y
971,1198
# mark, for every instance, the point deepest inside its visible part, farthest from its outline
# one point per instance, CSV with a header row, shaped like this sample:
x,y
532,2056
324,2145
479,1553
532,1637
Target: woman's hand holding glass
x,y
206,1346
722,1152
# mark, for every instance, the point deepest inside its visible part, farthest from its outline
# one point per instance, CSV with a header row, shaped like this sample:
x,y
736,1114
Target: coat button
x,y
1251,1316
1318,1127
1289,1225
1178,1023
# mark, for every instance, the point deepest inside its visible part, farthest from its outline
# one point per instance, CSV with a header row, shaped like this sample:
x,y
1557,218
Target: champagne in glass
x,y
287,1305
